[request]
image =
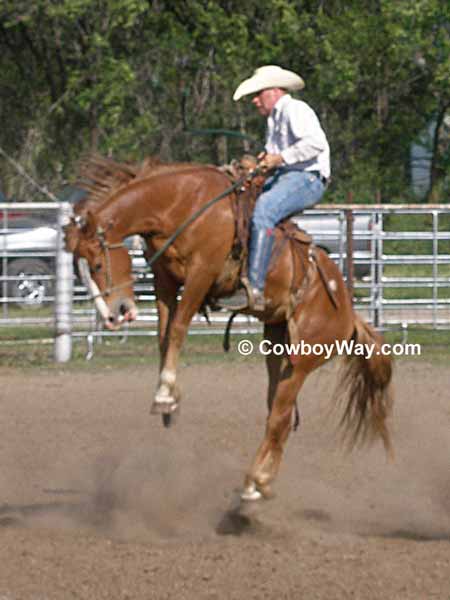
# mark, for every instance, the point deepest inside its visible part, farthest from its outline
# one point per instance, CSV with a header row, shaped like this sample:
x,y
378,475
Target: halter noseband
x,y
100,235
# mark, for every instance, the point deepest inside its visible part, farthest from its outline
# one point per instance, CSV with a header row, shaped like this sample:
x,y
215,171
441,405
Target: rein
x,y
237,184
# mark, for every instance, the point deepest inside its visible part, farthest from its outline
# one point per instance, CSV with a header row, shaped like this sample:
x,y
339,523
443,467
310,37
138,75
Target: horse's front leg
x,y
279,423
196,287
166,290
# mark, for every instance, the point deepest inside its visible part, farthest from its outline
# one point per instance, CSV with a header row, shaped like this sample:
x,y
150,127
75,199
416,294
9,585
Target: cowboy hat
x,y
269,76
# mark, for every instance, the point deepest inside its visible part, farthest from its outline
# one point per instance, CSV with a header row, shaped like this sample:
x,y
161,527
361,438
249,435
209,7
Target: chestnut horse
x,y
198,263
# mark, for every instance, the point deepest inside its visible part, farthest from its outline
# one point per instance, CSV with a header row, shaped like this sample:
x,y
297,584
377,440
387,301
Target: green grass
x,y
112,353
435,345
419,223
115,353
412,272
16,333
391,291
15,312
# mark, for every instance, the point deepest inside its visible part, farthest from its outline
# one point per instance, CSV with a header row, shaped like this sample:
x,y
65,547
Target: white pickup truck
x,y
27,258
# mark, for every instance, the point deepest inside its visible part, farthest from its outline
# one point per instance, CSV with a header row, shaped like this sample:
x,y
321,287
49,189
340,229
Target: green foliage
x,y
131,77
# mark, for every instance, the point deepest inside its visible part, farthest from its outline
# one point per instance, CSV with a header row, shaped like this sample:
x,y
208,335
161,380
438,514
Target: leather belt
x,y
297,167
318,174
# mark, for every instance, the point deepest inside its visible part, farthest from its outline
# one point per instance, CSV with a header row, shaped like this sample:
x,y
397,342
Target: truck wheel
x,y
32,286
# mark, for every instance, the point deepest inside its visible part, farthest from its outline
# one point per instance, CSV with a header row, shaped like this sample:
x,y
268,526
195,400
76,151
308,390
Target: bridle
x,y
106,248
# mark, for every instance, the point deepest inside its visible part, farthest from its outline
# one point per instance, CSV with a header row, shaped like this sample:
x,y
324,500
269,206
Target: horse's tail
x,y
366,382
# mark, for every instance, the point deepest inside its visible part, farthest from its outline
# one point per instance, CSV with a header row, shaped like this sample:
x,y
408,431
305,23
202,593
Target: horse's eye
x,y
96,268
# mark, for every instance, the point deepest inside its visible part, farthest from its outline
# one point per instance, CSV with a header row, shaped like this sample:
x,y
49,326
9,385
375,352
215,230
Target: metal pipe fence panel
x,y
399,254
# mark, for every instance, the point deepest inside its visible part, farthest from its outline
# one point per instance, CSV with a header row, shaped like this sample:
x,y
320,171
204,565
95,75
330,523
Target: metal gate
x,y
402,259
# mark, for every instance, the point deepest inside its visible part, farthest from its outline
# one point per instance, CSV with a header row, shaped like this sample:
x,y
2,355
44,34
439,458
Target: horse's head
x,y
104,266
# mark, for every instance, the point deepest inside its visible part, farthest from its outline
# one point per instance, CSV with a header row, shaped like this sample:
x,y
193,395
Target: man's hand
x,y
270,161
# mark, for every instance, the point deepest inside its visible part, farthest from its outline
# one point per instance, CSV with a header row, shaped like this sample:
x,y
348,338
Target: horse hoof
x,y
167,420
251,494
164,407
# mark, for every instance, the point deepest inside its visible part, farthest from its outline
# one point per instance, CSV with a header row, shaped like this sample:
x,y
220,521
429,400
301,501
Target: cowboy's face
x,y
265,100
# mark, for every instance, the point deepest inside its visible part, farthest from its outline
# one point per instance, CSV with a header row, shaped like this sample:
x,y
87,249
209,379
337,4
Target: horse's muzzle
x,y
122,310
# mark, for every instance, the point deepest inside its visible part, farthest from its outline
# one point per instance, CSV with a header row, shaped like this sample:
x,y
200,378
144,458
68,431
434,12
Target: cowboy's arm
x,y
309,137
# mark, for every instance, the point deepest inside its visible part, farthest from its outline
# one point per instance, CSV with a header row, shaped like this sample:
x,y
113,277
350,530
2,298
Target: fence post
x,y
64,290
378,275
349,252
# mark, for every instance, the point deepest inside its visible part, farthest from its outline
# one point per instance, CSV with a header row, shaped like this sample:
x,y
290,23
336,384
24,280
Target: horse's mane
x,y
103,177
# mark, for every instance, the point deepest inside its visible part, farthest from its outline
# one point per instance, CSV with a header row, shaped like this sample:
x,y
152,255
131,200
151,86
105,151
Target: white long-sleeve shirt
x,y
294,131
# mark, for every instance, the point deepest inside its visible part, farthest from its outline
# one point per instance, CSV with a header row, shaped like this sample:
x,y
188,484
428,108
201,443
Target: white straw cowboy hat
x,y
269,76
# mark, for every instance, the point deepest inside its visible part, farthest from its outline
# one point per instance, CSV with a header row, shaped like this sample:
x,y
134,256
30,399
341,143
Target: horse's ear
x,y
71,235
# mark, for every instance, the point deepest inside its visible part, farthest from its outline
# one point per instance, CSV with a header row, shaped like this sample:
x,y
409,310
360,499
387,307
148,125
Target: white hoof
x,y
165,398
250,494
164,405
164,395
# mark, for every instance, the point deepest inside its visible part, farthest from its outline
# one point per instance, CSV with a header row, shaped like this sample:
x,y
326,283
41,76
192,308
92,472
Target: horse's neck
x,y
128,216
139,208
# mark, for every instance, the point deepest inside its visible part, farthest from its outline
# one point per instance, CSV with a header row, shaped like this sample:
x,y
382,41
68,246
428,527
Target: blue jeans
x,y
286,193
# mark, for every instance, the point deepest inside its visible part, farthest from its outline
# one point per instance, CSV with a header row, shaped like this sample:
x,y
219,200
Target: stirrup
x,y
245,297
238,301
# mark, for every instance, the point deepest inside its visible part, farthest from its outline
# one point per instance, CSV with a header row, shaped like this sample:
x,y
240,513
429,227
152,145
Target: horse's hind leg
x,y
275,334
268,458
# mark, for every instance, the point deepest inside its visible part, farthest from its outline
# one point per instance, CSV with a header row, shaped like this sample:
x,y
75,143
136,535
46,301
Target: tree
x,y
135,77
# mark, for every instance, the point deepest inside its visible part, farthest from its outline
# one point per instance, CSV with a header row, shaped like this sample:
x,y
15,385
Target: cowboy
x,y
298,157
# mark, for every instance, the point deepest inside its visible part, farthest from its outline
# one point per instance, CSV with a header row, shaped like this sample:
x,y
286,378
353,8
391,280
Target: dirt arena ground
x,y
98,501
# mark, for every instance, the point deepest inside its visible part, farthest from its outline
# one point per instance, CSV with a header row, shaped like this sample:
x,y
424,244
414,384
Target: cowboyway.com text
x,y
339,348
